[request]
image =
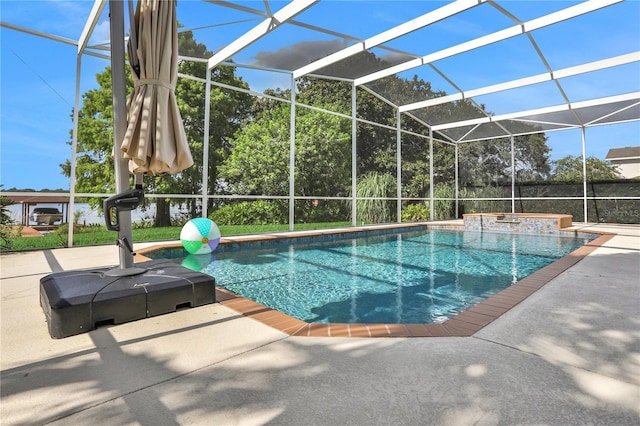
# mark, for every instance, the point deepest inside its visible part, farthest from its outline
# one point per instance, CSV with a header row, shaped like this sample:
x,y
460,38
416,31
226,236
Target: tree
x,y
480,163
569,169
259,161
5,221
488,162
95,168
532,156
376,145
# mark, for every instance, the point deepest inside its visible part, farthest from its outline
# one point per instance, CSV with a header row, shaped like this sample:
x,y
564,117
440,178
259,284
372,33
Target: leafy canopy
x,y
95,167
569,169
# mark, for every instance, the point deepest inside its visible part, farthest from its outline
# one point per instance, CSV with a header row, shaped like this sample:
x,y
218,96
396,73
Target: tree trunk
x,y
193,208
163,214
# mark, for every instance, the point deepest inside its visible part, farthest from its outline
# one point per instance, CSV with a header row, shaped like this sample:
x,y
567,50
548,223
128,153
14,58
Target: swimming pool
x,y
407,277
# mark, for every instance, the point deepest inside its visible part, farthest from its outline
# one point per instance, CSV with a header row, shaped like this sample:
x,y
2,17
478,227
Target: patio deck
x,y
569,354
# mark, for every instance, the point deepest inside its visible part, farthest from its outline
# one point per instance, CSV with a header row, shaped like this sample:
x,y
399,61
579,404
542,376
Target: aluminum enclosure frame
x,y
571,114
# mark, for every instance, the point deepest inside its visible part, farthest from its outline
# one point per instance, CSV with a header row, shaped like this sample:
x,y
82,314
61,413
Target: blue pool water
x,y
422,276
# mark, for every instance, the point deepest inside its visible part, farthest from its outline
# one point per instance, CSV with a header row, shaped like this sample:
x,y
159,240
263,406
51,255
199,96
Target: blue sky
x,y
38,75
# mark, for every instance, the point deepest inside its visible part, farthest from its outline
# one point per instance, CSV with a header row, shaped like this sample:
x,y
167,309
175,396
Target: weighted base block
x,y
75,301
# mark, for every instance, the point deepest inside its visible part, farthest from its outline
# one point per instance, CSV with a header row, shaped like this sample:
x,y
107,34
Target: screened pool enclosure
x,y
327,111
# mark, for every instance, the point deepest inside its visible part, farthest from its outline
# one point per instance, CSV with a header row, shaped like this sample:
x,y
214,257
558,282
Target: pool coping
x,y
465,324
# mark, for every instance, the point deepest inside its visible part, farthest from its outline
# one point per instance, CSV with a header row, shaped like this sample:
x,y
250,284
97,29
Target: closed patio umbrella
x,y
155,142
149,130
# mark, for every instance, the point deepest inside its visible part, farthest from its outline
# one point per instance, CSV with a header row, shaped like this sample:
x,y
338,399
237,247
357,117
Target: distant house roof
x,y
626,153
35,199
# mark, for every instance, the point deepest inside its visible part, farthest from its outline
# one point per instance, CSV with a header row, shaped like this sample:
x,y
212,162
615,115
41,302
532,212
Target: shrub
x,y
5,221
321,211
482,206
376,185
415,213
444,209
261,212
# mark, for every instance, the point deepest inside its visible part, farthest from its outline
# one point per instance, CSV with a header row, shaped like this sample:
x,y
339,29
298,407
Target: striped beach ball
x,y
200,236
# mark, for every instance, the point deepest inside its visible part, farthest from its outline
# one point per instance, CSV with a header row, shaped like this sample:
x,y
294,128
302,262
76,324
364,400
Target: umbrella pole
x,y
125,233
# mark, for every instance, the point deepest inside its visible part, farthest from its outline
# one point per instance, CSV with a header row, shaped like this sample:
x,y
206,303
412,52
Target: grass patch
x,y
98,235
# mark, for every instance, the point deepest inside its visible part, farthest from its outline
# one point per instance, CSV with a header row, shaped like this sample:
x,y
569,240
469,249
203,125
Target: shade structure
x,y
155,142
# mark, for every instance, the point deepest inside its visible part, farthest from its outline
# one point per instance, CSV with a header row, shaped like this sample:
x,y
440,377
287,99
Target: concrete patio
x,y
568,355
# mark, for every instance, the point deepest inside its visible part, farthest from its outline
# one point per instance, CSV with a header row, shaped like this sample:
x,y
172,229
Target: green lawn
x,y
96,235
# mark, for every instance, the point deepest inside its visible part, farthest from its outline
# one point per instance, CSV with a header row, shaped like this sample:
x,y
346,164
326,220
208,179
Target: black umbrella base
x,y
75,302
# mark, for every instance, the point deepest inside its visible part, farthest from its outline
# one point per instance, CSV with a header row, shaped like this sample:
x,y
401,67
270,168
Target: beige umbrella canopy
x,y
155,141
